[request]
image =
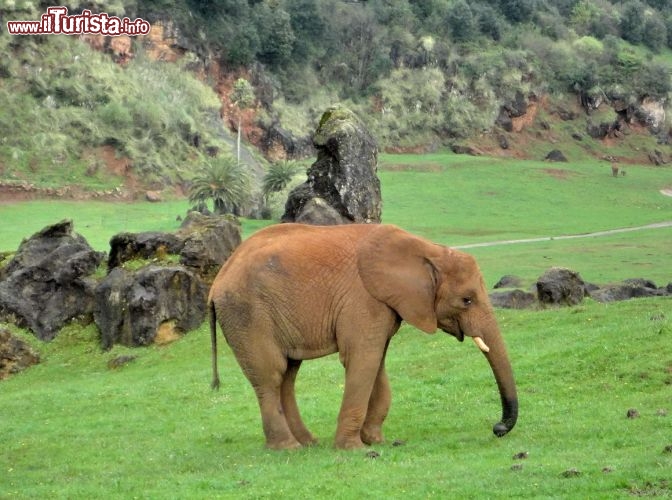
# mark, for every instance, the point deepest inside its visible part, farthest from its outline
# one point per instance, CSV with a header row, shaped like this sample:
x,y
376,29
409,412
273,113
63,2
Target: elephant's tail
x,y
213,340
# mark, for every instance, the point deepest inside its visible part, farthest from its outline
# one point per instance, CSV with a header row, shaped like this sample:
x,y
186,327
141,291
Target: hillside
x,y
117,115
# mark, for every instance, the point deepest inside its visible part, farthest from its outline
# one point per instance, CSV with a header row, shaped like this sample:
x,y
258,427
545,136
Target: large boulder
x,y
513,299
15,354
147,245
153,304
515,108
317,211
344,174
49,280
628,289
555,155
208,242
560,286
202,243
649,111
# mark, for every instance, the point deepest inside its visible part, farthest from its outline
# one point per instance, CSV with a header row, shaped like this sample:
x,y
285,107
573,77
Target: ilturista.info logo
x,y
56,21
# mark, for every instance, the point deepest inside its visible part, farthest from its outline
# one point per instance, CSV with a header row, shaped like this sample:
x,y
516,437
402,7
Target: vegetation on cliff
x,y
422,75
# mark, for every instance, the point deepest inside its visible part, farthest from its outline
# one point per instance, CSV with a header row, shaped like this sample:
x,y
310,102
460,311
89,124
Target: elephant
x,y
294,292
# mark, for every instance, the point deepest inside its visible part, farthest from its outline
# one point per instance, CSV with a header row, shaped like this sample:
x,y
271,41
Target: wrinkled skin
x,y
294,292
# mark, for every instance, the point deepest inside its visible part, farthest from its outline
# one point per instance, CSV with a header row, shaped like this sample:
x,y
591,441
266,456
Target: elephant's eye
x,y
467,301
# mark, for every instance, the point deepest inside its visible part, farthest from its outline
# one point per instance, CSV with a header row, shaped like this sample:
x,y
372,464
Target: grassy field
x,y
74,428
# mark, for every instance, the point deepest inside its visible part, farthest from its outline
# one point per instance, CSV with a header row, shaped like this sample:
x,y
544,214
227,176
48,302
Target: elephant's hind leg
x,y
266,369
296,425
276,428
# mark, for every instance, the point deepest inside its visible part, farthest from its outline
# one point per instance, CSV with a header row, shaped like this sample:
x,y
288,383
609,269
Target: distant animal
x,y
293,292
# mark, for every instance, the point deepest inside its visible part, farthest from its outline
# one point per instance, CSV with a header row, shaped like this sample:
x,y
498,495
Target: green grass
x,y
97,221
469,200
74,428
154,429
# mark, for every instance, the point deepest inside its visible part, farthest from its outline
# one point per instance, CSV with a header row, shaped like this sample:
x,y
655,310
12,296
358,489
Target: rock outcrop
x,y
513,299
207,243
560,286
202,243
556,155
153,304
343,179
148,245
49,281
515,108
628,289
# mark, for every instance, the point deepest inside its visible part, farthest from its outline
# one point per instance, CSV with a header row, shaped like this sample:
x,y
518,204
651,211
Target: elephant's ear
x,y
395,268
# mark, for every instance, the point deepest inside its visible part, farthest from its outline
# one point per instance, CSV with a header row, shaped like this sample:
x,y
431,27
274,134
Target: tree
x,y
359,56
517,11
488,21
461,22
632,21
655,36
275,34
308,27
243,97
225,182
654,80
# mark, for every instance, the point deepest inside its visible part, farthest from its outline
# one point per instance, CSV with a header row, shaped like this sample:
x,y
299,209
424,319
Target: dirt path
x,y
657,225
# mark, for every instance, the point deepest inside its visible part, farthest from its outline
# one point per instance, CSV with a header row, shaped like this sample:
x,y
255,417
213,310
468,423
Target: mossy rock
x,y
337,121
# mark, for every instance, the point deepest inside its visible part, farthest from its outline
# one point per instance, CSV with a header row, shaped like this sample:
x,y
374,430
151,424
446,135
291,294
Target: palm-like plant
x,y
225,182
277,177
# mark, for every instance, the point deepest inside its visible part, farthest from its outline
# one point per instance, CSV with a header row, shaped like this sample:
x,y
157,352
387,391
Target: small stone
x,y
668,449
372,454
607,470
153,196
632,413
120,361
398,442
517,467
573,472
521,456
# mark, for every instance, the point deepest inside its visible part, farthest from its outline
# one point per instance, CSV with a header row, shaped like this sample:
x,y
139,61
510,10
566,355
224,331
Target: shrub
x,y
223,181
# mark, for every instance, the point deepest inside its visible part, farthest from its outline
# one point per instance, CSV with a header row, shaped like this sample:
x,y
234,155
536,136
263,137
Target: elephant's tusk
x,y
481,345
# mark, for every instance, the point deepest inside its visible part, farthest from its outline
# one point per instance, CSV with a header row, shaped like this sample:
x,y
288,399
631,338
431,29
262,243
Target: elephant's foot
x,y
348,443
310,440
287,444
303,435
372,435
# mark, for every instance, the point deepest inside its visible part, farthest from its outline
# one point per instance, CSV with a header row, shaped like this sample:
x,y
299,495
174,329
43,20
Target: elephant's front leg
x,y
360,376
379,405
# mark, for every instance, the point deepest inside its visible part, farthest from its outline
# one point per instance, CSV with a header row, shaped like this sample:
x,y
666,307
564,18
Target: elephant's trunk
x,y
509,416
501,368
